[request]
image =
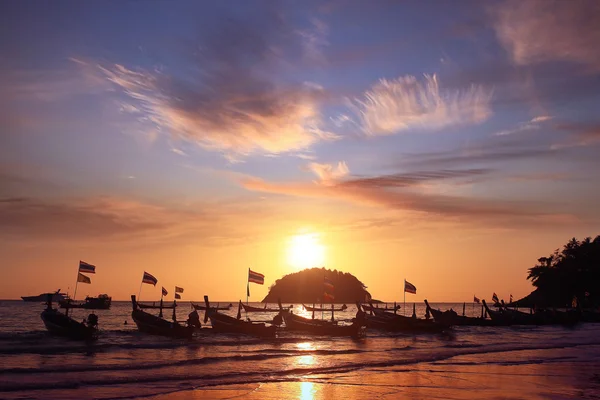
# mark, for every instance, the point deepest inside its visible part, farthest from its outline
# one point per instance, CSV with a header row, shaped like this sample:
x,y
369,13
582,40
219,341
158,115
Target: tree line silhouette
x,y
573,272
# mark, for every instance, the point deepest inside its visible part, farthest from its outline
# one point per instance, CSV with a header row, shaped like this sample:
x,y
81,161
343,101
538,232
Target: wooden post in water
x,y
464,305
160,314
332,310
174,308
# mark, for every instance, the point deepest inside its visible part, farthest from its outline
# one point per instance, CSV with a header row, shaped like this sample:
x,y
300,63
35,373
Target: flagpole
x,y
247,292
404,313
140,292
76,283
473,304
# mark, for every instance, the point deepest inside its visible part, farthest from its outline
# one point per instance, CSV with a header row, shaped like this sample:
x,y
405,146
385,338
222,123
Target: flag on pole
x,y
328,284
87,268
409,287
328,290
328,297
256,277
164,291
510,299
149,279
177,296
495,298
178,289
83,279
476,299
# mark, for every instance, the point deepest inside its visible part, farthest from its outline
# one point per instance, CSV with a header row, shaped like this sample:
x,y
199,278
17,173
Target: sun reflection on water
x,y
307,391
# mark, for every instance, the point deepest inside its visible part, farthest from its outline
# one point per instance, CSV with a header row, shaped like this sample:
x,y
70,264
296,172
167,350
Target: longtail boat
x,y
450,318
201,307
155,306
313,308
370,307
319,327
392,322
102,302
63,325
154,325
226,324
249,308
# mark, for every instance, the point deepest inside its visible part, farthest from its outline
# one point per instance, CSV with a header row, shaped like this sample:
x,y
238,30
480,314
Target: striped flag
x,y
83,279
149,279
328,297
178,289
164,292
87,268
476,299
495,298
328,284
177,296
409,287
256,277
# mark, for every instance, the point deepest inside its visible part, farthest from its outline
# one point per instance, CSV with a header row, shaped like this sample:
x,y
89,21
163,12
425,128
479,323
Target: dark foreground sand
x,y
534,374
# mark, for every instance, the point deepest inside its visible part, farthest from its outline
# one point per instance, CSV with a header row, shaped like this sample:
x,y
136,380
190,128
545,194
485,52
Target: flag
x,y
256,277
495,298
328,284
409,287
178,289
164,292
83,279
476,299
149,279
328,297
87,268
177,296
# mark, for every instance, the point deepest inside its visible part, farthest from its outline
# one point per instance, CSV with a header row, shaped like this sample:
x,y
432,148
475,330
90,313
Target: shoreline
x,y
523,374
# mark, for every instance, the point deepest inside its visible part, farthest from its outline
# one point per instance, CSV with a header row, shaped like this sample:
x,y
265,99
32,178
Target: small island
x,y
567,277
307,286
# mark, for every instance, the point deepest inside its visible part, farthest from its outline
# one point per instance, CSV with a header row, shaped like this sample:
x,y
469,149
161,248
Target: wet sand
x,y
532,374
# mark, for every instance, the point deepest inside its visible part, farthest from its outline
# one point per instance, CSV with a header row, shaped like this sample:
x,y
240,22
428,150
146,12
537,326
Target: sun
x,y
305,251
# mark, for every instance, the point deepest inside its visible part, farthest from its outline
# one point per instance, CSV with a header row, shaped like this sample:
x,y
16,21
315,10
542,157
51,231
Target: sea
x,y
126,364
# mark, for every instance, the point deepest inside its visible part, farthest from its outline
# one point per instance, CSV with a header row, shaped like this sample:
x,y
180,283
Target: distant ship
x,y
102,302
56,297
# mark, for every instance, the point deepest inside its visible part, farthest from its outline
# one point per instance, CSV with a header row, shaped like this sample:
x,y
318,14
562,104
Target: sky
x,y
450,144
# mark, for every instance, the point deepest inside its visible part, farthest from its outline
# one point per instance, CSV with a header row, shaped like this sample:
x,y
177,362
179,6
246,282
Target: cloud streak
x,y
392,106
538,31
229,97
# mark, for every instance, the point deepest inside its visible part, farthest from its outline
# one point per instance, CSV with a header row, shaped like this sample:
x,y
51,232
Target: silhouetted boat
x,y
451,318
155,306
226,324
102,302
392,322
63,325
375,310
249,308
201,307
154,325
319,327
313,308
42,298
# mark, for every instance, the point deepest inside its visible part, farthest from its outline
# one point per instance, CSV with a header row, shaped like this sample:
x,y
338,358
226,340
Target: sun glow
x,y
305,251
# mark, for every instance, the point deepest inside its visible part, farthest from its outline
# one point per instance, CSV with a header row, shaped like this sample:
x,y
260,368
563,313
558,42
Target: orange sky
x,y
407,140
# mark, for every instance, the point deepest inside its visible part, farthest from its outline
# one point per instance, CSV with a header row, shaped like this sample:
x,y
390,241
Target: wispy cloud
x,y
392,106
532,124
404,192
535,31
112,219
229,97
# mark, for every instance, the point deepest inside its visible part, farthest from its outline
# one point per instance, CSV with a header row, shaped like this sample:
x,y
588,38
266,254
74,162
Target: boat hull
x,y
316,327
154,325
226,324
62,325
42,298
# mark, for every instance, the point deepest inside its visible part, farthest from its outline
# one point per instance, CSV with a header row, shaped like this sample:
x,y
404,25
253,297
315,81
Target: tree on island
x,y
307,286
571,272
